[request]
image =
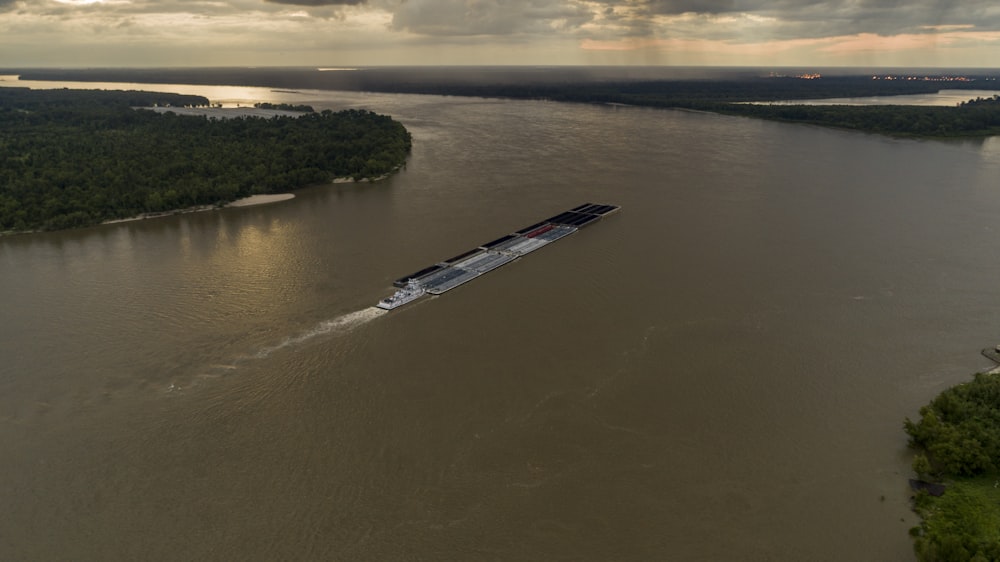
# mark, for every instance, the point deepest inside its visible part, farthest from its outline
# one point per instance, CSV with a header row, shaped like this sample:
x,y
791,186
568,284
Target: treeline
x,y
36,101
672,93
974,118
960,429
76,158
978,117
958,439
562,83
284,107
968,119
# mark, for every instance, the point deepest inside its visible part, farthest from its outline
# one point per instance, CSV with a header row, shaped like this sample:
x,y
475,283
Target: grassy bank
x,y
962,524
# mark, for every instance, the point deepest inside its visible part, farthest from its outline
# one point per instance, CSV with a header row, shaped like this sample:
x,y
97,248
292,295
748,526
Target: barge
x,y
466,266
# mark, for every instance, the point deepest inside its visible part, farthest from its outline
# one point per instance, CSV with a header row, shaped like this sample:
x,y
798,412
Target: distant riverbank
x,y
716,91
227,112
923,113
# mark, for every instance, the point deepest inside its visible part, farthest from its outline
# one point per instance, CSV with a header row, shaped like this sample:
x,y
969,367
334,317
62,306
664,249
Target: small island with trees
x,y
74,158
958,459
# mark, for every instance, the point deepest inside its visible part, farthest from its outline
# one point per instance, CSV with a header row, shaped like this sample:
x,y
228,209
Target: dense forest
x,y
76,158
958,439
284,107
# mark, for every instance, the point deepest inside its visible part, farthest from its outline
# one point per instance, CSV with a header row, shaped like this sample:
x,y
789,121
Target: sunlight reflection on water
x,y
990,150
228,96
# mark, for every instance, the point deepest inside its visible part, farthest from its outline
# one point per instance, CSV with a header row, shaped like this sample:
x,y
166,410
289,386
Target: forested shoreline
x,y
73,158
975,117
958,444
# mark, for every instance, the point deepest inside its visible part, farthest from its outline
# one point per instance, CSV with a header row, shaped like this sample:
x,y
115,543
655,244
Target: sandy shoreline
x,y
261,199
244,202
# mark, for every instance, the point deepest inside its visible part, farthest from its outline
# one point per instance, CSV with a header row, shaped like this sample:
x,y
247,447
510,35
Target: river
x,y
718,372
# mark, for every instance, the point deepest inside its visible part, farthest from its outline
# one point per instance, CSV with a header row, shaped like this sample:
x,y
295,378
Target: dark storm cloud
x,y
689,6
488,17
511,31
773,19
816,18
316,3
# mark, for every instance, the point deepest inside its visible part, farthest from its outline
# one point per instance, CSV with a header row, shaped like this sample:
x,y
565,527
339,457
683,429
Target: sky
x,y
347,33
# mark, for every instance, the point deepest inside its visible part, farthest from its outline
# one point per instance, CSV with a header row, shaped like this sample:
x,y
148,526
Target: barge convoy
x,y
465,267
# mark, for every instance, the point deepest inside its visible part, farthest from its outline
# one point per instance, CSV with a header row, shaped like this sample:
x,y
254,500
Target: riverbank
x,y
226,112
961,524
250,201
957,439
261,200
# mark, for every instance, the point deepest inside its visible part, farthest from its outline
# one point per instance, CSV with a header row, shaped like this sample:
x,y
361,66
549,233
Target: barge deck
x,y
466,266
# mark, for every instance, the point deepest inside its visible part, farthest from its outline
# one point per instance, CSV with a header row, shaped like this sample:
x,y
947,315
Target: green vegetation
x,y
76,158
284,107
959,436
979,117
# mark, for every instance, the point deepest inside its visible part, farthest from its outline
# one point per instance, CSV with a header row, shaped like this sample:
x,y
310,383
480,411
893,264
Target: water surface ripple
x,y
718,372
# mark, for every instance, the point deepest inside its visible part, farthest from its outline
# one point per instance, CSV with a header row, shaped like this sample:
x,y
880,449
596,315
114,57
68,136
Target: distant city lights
x,y
925,78
805,76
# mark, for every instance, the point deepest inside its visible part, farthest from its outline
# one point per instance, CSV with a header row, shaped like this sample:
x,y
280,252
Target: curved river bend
x,y
718,372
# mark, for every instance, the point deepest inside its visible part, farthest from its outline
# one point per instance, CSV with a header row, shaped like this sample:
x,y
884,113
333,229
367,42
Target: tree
x,y
73,158
921,465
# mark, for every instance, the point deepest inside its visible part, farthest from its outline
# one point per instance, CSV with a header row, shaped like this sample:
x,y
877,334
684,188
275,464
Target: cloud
x,y
489,17
866,42
357,32
739,21
914,49
318,3
805,18
674,7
